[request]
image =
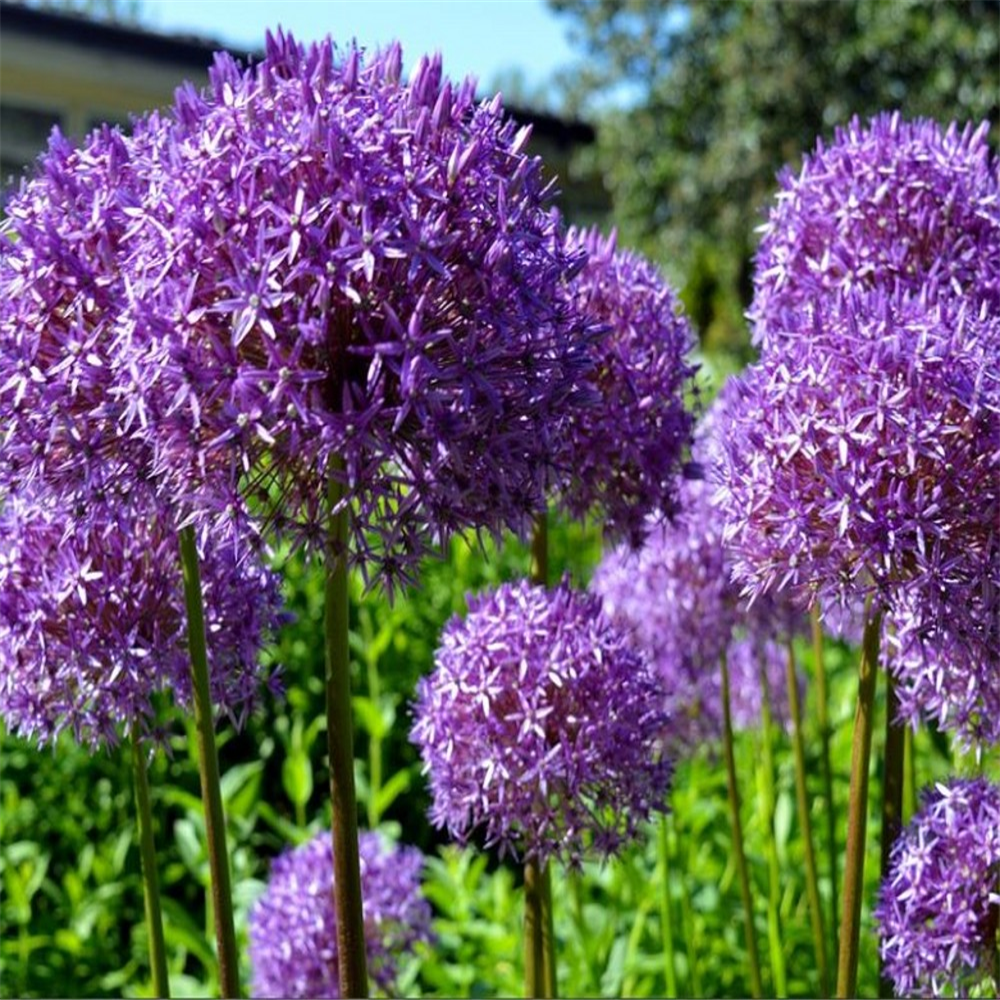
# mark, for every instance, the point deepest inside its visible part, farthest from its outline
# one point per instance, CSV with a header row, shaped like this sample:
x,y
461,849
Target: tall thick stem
x,y
857,815
150,876
892,798
909,776
347,899
753,958
534,943
666,910
802,796
766,800
825,732
208,766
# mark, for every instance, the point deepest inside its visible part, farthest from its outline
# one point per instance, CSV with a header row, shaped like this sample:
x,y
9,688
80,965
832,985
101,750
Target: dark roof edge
x,y
60,26
196,53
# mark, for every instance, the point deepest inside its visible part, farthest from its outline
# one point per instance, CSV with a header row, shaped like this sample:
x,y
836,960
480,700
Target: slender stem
x,y
753,958
857,816
347,899
208,766
150,877
766,801
534,944
540,576
825,732
690,929
909,776
666,916
802,795
892,798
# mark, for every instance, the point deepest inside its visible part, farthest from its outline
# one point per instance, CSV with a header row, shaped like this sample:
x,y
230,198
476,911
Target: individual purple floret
x,y
541,726
864,459
622,456
293,939
342,275
939,906
888,204
93,624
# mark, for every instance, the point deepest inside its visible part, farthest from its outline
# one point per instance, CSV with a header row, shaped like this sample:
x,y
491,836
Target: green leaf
x,y
297,778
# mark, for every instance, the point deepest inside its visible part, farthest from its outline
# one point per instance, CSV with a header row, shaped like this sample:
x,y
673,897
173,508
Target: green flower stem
x,y
374,747
802,796
766,802
534,937
347,899
825,732
690,929
753,958
208,766
540,576
666,916
892,797
857,816
150,878
909,776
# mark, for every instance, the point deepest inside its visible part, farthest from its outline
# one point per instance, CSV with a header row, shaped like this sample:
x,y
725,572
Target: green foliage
x,y
717,97
71,917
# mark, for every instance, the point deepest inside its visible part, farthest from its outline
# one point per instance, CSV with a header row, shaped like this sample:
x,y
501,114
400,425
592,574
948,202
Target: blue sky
x,y
481,37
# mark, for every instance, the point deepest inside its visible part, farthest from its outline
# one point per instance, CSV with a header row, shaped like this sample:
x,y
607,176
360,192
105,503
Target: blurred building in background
x,y
60,68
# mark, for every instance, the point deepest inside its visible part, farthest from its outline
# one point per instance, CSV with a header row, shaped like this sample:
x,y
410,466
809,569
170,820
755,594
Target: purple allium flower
x,y
888,204
675,598
541,725
93,622
344,275
622,456
293,939
865,457
940,903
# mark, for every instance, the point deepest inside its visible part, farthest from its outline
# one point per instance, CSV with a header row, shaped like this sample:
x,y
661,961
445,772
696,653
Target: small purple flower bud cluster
x,y
93,624
623,455
862,455
542,726
293,939
940,903
675,597
344,275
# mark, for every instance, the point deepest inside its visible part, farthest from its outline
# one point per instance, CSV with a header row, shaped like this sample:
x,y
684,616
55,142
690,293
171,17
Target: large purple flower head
x,y
940,903
865,458
622,456
93,624
346,276
542,726
890,203
293,939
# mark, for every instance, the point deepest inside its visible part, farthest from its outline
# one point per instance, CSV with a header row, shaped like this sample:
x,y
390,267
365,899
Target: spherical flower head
x,y
346,276
542,726
886,204
939,905
622,455
864,459
293,926
93,620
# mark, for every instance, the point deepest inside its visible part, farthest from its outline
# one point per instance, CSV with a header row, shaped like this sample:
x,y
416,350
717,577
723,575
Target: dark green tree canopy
x,y
718,96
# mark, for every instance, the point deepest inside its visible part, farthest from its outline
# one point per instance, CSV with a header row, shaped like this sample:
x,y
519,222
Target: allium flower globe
x,y
93,625
622,455
541,726
939,905
293,941
888,204
347,276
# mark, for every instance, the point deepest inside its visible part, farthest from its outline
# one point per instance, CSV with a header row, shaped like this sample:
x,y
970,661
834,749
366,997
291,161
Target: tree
x,y
719,95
